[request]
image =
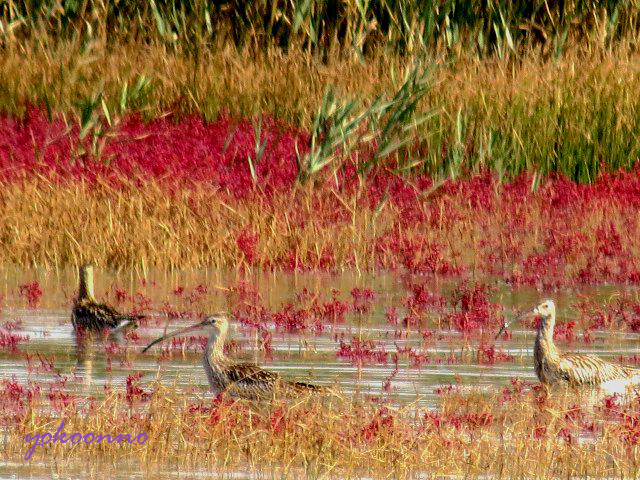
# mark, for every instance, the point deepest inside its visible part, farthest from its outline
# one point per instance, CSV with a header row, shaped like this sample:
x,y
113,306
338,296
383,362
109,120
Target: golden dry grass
x,y
66,224
512,435
290,85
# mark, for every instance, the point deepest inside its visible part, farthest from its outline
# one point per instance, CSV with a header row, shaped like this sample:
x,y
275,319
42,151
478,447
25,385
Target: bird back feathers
x,y
581,369
91,315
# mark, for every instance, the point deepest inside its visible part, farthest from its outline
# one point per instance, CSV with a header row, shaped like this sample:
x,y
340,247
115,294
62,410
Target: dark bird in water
x,y
88,314
244,380
574,369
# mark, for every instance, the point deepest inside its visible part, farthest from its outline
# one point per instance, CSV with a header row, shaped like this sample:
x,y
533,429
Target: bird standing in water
x,y
574,369
244,380
88,314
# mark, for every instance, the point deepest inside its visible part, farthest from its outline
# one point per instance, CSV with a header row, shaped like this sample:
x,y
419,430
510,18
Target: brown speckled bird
x,y
244,380
574,369
88,314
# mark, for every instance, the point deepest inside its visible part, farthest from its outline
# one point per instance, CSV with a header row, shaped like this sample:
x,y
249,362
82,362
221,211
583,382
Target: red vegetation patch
x,y
247,243
416,254
15,399
292,319
9,341
382,421
420,298
134,392
472,309
192,343
362,299
31,292
439,420
488,355
43,364
362,351
175,153
621,311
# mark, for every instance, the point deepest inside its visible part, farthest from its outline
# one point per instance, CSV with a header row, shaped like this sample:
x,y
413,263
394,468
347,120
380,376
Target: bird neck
x,y
215,347
85,290
544,337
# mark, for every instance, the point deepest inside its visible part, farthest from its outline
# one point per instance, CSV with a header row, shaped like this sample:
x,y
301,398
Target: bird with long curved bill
x,y
553,366
243,380
88,314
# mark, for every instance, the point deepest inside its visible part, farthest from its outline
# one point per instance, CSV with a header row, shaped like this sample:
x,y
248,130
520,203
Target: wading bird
x,y
91,315
244,380
574,369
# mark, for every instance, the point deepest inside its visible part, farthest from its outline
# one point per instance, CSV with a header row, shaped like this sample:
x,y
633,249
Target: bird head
x,y
216,323
546,310
86,270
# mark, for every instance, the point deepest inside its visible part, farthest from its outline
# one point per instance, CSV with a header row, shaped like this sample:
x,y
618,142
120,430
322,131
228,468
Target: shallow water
x,y
300,356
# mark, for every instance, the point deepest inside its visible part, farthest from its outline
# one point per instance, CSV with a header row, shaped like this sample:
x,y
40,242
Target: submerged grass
x,y
518,432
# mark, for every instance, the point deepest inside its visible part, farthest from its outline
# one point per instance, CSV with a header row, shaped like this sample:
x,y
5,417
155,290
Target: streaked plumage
x,y
553,366
88,314
244,380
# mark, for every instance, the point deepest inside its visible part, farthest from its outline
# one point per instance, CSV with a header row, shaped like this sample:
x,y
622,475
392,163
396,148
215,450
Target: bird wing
x,y
248,373
250,380
579,369
93,315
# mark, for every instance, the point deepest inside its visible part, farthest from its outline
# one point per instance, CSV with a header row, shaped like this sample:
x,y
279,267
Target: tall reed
x,y
322,27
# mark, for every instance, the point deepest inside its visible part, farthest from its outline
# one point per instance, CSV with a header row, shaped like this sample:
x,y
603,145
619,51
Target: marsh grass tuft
x,y
516,432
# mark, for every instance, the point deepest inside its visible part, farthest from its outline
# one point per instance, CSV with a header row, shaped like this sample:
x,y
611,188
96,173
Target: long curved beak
x,y
180,331
505,325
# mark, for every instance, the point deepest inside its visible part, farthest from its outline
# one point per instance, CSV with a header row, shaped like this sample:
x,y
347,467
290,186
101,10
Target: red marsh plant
x,y
182,194
361,352
10,341
617,312
420,298
43,364
332,311
489,355
11,325
472,309
31,292
17,399
362,299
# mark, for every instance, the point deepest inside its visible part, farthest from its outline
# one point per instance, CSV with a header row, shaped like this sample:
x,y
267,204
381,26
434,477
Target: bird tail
x,y
306,387
631,371
127,322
